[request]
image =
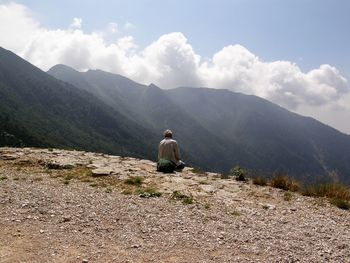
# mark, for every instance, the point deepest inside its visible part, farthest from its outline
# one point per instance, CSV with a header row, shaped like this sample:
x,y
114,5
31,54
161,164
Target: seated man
x,y
169,154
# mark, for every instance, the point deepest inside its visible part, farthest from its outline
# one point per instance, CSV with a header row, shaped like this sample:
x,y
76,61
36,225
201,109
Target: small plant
x,y
239,173
3,177
93,184
188,200
340,203
260,180
149,192
284,182
207,206
16,178
176,195
134,180
287,196
66,182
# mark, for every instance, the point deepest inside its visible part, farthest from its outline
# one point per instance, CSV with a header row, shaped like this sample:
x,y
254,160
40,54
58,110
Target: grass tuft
x,y
331,190
134,180
3,177
177,195
284,182
338,194
260,180
340,203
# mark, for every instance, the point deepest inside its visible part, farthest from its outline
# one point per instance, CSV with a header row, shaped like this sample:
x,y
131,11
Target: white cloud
x,y
169,62
235,68
77,23
17,26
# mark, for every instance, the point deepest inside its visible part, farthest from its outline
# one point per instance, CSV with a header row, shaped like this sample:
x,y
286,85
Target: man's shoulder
x,y
168,141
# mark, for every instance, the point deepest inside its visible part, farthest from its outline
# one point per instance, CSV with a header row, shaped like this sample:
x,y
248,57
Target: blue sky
x,y
273,48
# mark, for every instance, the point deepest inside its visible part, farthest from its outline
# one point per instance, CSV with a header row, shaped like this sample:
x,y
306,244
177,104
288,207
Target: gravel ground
x,y
49,217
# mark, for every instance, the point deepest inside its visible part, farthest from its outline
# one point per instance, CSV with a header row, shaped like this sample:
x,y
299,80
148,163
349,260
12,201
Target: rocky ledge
x,y
72,206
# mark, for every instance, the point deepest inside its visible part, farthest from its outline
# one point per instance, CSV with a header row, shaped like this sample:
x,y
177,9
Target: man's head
x,y
168,133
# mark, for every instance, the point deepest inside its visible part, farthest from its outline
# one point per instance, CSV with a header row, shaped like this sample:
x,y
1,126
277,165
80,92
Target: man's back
x,y
169,150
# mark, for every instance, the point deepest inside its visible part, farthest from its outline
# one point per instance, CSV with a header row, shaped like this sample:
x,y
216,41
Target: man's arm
x,y
176,151
159,149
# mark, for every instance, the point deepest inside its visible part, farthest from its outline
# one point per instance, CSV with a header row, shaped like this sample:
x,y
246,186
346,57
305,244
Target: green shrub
x,y
239,173
149,192
284,182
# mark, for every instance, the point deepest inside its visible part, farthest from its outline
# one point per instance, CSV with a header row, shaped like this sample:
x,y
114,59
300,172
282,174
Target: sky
x,y
293,53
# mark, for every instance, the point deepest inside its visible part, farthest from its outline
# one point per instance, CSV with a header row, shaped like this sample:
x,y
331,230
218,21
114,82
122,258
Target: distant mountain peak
x,y
153,86
61,67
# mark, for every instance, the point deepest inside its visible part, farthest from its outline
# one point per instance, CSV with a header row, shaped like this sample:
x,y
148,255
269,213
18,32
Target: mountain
x,y
218,129
36,109
153,109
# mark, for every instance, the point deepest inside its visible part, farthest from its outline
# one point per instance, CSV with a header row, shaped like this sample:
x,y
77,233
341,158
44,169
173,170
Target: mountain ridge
x,y
247,129
60,115
216,129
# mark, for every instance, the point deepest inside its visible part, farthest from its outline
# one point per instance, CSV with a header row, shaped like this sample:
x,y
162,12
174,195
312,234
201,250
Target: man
x,y
169,154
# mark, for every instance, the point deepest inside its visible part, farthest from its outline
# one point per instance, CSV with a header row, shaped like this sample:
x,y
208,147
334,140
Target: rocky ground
x,y
70,206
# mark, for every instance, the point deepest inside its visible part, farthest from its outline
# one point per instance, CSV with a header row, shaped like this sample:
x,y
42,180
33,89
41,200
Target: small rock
x,y
9,157
269,206
136,246
101,172
66,219
58,165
